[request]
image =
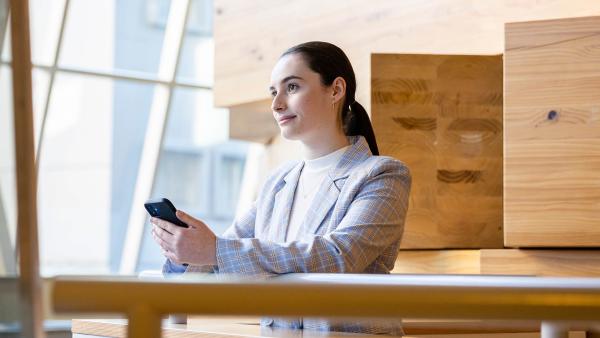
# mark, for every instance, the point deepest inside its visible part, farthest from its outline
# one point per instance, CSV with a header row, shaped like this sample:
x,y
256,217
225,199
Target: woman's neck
x,y
324,145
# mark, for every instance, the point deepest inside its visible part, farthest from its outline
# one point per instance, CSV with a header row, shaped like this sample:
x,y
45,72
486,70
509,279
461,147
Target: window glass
x,y
40,79
45,18
197,53
90,154
3,26
200,170
8,208
112,35
96,125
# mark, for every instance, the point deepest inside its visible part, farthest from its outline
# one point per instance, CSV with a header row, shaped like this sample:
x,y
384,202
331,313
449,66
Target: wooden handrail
x,y
337,295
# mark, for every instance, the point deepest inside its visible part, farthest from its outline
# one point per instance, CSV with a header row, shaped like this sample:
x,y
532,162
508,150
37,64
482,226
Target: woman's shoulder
x,y
376,172
377,165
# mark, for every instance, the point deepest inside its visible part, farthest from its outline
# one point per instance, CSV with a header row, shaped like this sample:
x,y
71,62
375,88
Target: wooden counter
x,y
213,327
207,327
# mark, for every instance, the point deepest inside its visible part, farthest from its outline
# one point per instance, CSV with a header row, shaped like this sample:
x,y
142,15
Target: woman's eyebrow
x,y
286,79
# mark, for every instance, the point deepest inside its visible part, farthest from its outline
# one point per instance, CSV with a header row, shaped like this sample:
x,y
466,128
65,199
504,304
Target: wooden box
x,y
552,133
442,116
541,262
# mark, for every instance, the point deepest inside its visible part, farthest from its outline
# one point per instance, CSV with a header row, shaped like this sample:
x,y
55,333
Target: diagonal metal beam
x,y
40,137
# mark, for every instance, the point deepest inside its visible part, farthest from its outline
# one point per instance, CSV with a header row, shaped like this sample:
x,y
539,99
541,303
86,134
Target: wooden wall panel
x,y
250,35
552,133
555,263
525,262
438,262
253,122
442,116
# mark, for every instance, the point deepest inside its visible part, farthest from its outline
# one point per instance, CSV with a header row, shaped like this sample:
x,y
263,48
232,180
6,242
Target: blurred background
x,y
100,70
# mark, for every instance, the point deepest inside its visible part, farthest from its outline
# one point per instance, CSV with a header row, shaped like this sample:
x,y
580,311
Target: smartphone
x,y
163,208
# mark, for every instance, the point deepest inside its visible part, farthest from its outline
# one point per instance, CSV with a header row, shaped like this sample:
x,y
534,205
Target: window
x,y
109,77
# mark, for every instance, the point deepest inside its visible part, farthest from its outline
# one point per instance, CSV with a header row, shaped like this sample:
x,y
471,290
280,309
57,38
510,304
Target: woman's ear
x,y
339,89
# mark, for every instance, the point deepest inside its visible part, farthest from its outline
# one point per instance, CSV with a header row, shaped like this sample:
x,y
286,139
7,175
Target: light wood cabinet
x,y
541,262
523,262
552,133
442,116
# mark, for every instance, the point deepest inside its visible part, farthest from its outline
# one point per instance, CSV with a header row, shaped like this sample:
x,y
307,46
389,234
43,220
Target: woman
x,y
341,209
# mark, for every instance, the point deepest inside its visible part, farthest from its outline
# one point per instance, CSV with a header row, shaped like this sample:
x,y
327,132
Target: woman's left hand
x,y
196,245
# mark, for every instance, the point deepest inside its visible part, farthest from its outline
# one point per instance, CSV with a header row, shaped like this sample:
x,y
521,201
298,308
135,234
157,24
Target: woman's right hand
x,y
194,245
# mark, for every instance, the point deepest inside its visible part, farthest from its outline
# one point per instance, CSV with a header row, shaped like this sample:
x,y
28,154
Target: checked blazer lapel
x,y
283,204
324,200
328,193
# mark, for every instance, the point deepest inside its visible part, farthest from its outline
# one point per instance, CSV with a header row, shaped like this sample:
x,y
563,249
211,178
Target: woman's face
x,y
302,105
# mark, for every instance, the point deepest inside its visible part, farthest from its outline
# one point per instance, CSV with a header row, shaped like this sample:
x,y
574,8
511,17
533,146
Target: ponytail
x,y
330,62
355,121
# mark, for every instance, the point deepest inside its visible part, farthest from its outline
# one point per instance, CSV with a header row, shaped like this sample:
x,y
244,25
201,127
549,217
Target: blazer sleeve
x,y
374,220
242,227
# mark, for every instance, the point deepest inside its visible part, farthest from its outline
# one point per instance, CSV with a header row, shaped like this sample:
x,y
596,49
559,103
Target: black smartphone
x,y
163,208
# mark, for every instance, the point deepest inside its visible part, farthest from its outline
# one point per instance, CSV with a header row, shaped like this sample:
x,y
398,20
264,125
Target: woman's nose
x,y
277,104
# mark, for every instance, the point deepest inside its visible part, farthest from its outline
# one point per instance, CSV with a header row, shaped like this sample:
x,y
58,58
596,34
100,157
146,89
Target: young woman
x,y
341,209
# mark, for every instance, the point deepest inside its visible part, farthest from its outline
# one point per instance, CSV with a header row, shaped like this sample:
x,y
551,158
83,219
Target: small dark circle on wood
x,y
552,115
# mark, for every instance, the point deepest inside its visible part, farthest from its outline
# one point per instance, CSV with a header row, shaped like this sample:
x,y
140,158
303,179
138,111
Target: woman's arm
x,y
243,227
374,221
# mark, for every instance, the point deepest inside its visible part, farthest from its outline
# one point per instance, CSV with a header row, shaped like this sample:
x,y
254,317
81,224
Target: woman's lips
x,y
286,119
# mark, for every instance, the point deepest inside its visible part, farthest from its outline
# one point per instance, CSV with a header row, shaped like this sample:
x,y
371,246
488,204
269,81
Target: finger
x,y
161,242
189,220
162,233
164,225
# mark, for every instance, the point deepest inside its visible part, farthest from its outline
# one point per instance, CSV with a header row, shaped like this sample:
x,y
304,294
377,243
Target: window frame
x,y
165,81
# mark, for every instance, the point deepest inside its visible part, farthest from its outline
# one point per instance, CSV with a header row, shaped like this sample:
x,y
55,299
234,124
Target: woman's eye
x,y
292,87
273,93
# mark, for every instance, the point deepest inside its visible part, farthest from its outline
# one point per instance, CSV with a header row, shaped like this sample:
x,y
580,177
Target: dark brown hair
x,y
329,61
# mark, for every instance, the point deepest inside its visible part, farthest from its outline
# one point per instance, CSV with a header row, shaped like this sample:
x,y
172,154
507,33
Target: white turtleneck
x,y
313,173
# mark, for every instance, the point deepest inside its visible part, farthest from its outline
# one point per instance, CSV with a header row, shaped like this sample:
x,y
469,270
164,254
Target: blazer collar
x,y
327,194
357,153
284,199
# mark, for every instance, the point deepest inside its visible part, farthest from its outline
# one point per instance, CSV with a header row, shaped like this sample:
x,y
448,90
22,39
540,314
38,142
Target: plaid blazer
x,y
354,225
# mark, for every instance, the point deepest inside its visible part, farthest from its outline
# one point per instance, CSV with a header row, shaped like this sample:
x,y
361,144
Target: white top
x,y
313,173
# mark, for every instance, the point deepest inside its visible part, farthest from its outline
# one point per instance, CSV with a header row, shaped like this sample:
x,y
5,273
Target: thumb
x,y
187,219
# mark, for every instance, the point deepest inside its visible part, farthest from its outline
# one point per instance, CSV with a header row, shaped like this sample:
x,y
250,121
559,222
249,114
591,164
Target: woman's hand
x,y
196,245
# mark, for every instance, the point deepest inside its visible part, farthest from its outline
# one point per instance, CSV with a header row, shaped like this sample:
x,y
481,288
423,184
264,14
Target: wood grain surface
x,y
253,122
204,327
552,133
249,40
30,283
442,116
524,262
541,262
231,327
438,262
